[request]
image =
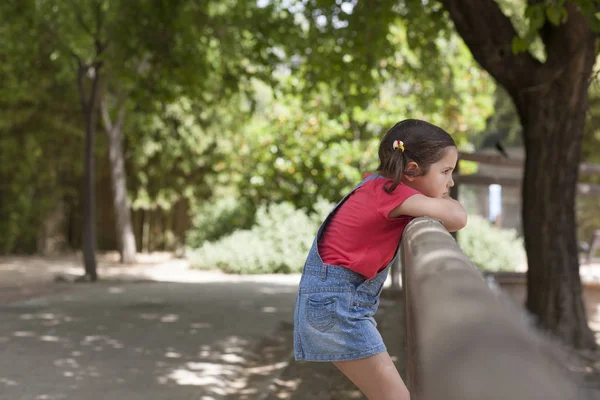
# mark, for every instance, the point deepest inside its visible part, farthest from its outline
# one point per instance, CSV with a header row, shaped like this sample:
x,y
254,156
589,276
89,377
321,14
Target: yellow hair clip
x,y
399,144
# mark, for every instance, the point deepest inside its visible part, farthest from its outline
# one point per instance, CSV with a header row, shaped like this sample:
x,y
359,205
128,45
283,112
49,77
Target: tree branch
x,y
564,41
121,113
108,126
99,19
81,71
62,45
94,90
121,106
489,35
79,18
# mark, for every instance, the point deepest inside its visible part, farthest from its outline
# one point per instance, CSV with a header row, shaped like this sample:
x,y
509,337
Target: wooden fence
x,y
590,189
464,340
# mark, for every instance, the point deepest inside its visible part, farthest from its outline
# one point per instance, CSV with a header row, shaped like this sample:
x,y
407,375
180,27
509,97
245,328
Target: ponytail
x,y
397,163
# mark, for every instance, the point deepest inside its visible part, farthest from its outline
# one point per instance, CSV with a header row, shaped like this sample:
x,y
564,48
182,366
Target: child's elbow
x,y
462,221
458,222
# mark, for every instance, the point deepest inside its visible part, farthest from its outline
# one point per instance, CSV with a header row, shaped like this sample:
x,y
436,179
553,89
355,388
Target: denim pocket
x,y
320,312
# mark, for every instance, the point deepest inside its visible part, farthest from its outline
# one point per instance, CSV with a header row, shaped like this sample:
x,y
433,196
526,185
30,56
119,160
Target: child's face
x,y
438,180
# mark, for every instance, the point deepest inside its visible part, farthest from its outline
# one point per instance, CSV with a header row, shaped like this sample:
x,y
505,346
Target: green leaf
x,y
536,16
556,14
519,45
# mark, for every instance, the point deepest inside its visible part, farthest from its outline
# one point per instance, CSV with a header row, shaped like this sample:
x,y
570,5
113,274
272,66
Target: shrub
x,y
491,248
277,243
214,220
282,235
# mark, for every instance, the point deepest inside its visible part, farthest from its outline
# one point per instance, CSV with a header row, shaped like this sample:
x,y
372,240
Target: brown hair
x,y
424,143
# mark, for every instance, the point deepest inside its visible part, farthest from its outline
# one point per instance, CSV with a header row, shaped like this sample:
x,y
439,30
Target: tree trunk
x,y
551,98
553,132
52,237
88,106
125,235
146,231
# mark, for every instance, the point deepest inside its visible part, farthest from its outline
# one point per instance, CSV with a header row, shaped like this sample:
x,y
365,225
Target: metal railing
x,y
464,340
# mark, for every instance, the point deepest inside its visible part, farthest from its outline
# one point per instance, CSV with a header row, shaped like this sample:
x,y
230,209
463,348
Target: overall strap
x,y
368,178
334,209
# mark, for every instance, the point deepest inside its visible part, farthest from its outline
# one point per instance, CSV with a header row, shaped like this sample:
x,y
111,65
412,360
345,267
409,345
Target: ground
x,y
41,309
129,337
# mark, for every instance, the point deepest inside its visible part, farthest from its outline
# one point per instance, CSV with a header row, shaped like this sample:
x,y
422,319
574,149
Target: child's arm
x,y
449,211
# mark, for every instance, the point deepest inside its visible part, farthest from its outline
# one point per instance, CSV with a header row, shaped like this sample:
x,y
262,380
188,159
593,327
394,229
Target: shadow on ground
x,y
141,341
322,381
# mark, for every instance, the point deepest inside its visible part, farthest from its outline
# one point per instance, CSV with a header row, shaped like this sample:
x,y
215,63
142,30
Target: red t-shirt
x,y
360,236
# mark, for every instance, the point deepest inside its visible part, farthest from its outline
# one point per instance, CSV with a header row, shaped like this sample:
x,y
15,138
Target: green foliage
x,y
213,220
317,131
186,83
39,133
171,155
282,236
295,156
279,110
300,146
356,50
530,18
26,195
274,100
175,66
278,243
588,207
490,248
537,15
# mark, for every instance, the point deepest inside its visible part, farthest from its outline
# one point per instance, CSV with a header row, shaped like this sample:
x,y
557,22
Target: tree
x,y
114,130
313,145
143,56
352,72
39,133
64,24
545,68
98,36
551,97
49,20
181,59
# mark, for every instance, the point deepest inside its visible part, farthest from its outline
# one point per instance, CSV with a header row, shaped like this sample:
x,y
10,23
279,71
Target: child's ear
x,y
411,171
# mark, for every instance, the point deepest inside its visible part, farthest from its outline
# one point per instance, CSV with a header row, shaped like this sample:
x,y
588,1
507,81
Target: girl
x,y
350,257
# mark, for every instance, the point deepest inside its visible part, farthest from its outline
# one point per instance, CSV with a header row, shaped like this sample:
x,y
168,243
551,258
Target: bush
x,y
277,243
282,235
214,220
490,248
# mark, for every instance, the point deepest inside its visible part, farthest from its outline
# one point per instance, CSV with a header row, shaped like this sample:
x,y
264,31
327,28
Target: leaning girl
x,y
352,252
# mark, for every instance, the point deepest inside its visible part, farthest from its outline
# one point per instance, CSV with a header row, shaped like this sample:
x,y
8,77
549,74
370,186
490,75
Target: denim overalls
x,y
333,317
